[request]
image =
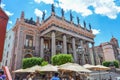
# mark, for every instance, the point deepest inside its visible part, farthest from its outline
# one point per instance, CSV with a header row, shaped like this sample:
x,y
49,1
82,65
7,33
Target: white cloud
x,y
95,31
78,6
107,8
103,7
8,13
2,5
10,22
45,1
38,12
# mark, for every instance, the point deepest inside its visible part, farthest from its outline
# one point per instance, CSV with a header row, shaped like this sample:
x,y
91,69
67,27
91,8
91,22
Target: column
x,y
83,52
64,44
42,47
53,51
19,50
94,54
88,52
37,39
74,50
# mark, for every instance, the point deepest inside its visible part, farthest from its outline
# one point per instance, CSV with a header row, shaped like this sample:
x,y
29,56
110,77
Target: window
x,y
6,63
9,37
7,54
8,45
29,41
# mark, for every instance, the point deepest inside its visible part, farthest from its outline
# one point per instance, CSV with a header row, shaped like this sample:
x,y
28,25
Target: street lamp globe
x,y
59,47
80,49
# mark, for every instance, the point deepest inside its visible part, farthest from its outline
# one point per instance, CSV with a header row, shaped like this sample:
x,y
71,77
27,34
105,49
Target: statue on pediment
x,y
84,24
71,17
43,16
53,8
78,20
89,26
62,12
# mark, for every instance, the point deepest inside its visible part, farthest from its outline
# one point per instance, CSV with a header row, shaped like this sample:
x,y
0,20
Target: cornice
x,y
64,24
26,25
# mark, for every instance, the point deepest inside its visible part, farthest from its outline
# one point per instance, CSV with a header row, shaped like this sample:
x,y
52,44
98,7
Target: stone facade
x,y
8,48
53,35
107,51
3,24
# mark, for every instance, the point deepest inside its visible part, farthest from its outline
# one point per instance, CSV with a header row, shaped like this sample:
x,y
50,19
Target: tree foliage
x,y
116,63
44,63
29,62
60,59
108,63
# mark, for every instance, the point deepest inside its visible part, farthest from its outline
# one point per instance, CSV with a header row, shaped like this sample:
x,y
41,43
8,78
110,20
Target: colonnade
x,y
83,43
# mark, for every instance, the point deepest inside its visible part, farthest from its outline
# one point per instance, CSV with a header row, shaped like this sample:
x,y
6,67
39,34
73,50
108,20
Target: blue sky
x,y
103,15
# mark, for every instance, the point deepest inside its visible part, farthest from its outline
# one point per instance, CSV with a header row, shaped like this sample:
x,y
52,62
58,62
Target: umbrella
x,y
19,71
31,69
89,66
48,68
73,67
101,67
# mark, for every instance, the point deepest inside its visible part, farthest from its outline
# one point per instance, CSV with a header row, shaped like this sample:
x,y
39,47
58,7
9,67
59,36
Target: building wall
x,y
3,24
108,51
8,48
99,54
118,50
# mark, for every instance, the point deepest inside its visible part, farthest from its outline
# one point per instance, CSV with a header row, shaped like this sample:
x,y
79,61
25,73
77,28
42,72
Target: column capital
x,y
41,36
92,43
63,34
72,37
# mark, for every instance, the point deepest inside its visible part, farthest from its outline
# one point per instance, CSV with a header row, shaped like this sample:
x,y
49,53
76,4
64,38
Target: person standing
x,y
55,77
2,76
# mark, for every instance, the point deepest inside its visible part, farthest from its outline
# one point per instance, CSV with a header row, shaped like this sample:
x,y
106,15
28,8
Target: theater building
x,y
49,37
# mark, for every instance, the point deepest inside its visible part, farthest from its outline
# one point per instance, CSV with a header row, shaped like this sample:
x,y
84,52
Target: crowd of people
x,y
2,75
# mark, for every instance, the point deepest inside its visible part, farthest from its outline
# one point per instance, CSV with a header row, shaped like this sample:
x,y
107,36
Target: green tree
x,y
60,59
116,64
29,62
108,63
44,63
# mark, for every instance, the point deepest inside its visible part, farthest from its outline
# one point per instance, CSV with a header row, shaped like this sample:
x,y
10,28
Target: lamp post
x,y
59,47
80,51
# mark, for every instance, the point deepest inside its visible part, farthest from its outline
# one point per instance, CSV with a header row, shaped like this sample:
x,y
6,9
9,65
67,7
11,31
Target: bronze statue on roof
x,y
78,20
62,12
71,16
84,24
53,8
43,16
89,26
